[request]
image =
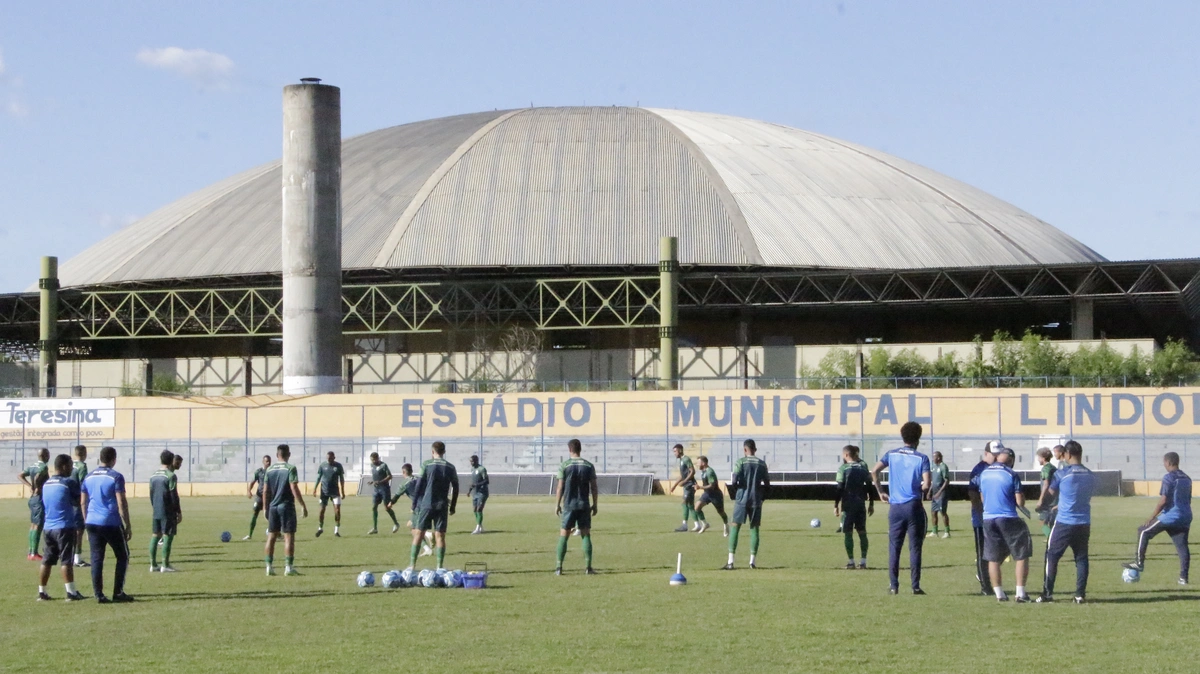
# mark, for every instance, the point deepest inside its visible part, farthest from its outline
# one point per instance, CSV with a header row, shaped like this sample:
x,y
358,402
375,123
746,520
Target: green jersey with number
x,y
433,491
576,475
280,478
854,483
750,476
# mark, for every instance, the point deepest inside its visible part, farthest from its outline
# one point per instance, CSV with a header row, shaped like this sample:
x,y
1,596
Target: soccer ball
x,y
428,578
1131,575
408,577
391,580
815,523
452,578
366,579
226,537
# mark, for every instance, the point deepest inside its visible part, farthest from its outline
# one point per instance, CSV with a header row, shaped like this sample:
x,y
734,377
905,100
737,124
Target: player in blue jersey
x,y
1172,515
981,567
106,517
1072,487
908,478
60,498
1005,533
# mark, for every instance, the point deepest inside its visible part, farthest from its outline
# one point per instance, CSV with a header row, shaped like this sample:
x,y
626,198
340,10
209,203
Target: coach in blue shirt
x,y
1004,533
60,501
908,479
1073,485
981,567
1173,514
107,522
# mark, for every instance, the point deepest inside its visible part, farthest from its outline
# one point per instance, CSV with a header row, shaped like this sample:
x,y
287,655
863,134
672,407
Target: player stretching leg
x,y
1072,486
281,491
436,499
381,480
908,478
748,487
330,486
710,493
478,491
163,500
687,478
1172,515
79,471
854,502
33,477
60,496
255,495
576,481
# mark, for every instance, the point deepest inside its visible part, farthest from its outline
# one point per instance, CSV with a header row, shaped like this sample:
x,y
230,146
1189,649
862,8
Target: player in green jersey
x,y
478,491
164,500
938,496
710,492
34,477
256,495
281,491
1047,508
79,470
576,481
436,500
854,502
687,479
381,480
748,487
330,486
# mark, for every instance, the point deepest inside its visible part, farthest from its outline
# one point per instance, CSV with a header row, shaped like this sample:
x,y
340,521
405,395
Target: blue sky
x,y
1082,113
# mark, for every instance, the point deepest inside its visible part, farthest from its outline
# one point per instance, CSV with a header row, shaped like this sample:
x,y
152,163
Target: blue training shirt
x,y
1177,487
102,487
60,498
973,486
1074,485
999,486
905,467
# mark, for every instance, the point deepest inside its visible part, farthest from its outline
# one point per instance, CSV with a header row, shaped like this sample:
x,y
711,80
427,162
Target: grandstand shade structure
x,y
550,217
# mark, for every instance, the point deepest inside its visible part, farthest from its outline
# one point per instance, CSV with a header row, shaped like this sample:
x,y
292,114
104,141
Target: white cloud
x,y
205,68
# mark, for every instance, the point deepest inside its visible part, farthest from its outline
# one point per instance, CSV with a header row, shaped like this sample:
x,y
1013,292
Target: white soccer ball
x,y
366,579
1131,575
452,578
428,578
408,577
815,523
391,580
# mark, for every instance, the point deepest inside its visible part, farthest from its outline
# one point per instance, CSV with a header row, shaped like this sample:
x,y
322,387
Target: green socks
x,y
167,550
700,515
37,539
392,514
733,536
849,536
441,556
753,541
587,551
479,518
270,560
375,517
862,542
1045,530
412,555
562,548
253,521
935,530
154,550
33,542
289,561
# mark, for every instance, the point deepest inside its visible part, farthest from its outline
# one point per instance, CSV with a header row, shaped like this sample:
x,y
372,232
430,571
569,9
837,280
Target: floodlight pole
x,y
668,312
48,332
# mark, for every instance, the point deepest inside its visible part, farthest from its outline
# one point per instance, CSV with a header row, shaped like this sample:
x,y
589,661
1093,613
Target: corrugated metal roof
x,y
595,186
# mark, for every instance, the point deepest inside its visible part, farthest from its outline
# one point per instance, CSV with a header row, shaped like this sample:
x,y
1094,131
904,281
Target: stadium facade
x,y
455,229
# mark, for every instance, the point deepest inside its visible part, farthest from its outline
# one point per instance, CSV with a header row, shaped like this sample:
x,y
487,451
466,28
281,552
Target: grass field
x,y
799,612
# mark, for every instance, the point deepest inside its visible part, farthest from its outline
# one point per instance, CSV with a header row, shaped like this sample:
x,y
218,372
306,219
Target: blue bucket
x,y
475,576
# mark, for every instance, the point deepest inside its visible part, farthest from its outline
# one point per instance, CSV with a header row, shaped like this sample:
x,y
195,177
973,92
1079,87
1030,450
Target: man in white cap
x,y
1005,534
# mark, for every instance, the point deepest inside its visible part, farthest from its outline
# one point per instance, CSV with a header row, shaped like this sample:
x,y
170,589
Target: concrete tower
x,y
312,238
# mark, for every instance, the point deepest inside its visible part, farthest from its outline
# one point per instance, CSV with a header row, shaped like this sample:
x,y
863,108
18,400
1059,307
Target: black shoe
x,y
42,596
839,530
101,599
320,531
337,534
121,598
1133,565
75,596
82,565
863,566
919,592
727,567
753,565
1022,599
850,566
681,529
590,571
1045,599
1002,598
893,590
558,571
1080,600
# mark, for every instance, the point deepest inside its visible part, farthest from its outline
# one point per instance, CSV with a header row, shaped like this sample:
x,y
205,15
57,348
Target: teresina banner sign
x,y
57,419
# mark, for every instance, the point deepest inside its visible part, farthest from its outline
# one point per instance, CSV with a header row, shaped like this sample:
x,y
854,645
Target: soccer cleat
x,y
81,565
725,530
291,571
1002,597
245,538
850,566
574,532
337,534
42,596
946,535
727,567
270,571
372,532
839,529
919,592
681,529
320,531
395,528
704,526
558,571
476,530
153,569
101,599
1183,581
1045,599
590,571
1022,599
863,566
426,551
75,596
1133,565
1080,600
931,535
121,598
166,569
35,557
752,565
893,590
697,527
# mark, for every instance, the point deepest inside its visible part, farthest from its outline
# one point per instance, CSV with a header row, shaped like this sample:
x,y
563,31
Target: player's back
x,y
437,475
1177,487
576,475
998,486
160,492
102,486
750,475
1075,484
856,481
906,468
79,471
60,498
279,479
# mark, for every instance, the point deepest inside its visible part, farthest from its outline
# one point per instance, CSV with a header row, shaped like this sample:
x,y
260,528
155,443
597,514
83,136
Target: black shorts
x,y
60,544
856,519
381,495
478,500
1004,536
743,512
714,497
335,497
37,513
281,519
78,519
939,503
431,519
164,526
581,518
257,505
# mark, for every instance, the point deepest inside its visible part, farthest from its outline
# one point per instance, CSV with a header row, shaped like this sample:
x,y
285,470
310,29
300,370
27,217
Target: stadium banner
x,y
852,413
57,418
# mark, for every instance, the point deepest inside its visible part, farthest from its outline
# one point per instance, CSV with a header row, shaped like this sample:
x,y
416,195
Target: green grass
x,y
799,612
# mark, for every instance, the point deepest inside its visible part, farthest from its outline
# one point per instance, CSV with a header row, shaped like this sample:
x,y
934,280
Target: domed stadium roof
x,y
595,186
